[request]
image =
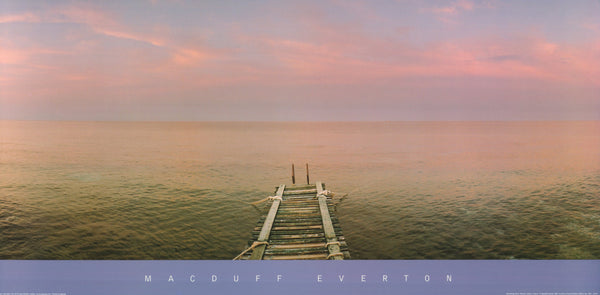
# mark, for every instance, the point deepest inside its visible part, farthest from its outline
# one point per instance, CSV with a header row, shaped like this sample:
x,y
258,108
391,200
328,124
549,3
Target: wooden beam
x,y
334,247
259,250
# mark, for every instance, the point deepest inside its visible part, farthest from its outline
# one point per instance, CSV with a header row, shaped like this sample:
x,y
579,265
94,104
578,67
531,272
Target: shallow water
x,y
416,190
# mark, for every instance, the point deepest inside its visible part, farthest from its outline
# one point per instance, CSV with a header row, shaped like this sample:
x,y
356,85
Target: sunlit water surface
x,y
416,190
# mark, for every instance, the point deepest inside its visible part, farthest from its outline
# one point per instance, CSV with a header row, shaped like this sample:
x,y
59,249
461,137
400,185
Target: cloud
x,y
454,8
449,14
105,24
190,57
11,56
19,18
129,36
98,20
594,27
324,51
504,57
370,60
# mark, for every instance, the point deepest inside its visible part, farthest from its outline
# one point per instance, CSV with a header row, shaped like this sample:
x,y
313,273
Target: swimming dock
x,y
298,222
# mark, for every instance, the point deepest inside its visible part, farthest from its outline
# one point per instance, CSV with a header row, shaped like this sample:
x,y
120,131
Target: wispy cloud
x,y
106,24
329,52
530,57
594,27
454,8
96,19
188,50
16,18
12,56
129,36
504,57
450,13
191,57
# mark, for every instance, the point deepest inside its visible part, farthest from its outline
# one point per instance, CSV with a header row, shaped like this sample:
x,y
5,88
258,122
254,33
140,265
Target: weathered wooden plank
x,y
300,187
299,241
296,257
311,233
288,213
303,206
296,216
283,224
296,251
332,241
307,245
276,233
299,197
293,212
292,227
316,219
312,190
323,251
292,216
299,226
258,251
301,201
312,209
299,210
295,229
288,246
297,236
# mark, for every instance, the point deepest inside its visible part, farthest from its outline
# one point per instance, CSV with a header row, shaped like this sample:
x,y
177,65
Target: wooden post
x,y
307,177
293,175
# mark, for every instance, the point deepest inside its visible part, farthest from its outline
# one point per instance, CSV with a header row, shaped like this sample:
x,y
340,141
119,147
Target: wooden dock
x,y
298,223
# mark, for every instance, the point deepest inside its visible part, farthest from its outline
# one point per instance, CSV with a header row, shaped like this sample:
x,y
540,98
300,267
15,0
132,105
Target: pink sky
x,y
322,60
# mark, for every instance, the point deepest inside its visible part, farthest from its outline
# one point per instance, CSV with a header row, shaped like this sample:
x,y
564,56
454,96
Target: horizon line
x,y
294,121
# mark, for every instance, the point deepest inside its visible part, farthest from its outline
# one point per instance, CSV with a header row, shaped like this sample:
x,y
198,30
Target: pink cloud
x,y
190,57
99,21
16,18
529,57
526,58
454,8
449,14
129,36
11,56
325,54
465,5
103,23
594,27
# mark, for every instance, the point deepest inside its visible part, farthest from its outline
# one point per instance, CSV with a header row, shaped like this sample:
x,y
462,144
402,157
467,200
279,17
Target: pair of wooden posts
x,y
294,175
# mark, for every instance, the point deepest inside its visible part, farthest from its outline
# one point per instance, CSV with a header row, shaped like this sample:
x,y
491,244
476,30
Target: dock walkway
x,y
298,223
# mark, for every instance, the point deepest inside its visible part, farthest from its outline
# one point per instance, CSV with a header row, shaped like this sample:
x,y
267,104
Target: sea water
x,y
413,190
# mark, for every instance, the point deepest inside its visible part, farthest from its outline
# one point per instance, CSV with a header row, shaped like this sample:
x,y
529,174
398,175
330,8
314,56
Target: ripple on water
x,y
173,194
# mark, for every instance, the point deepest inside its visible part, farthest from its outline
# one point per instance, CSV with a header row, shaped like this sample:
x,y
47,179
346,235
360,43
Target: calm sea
x,y
415,190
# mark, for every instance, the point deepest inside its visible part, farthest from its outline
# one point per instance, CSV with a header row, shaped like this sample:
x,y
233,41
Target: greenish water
x,y
416,190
